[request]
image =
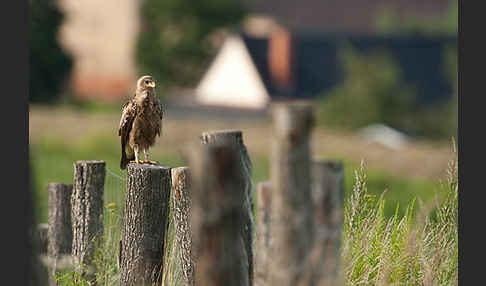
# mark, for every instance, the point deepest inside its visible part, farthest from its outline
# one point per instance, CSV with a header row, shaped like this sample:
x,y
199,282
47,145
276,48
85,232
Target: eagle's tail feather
x,y
124,160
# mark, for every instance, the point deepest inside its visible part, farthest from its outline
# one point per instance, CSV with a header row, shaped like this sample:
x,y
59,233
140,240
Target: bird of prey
x,y
140,123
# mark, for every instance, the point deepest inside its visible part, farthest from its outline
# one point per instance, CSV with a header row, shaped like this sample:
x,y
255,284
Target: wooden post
x,y
262,243
217,217
41,237
59,232
182,221
292,227
327,195
87,209
145,224
59,227
234,139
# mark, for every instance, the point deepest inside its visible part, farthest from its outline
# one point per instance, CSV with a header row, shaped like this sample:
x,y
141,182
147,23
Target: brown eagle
x,y
140,123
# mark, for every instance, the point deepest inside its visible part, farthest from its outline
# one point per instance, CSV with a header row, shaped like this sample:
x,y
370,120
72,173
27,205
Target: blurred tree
x,y
373,91
444,24
173,45
49,65
388,22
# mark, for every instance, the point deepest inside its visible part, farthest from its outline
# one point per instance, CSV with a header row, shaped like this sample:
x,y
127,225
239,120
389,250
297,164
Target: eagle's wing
x,y
129,112
159,112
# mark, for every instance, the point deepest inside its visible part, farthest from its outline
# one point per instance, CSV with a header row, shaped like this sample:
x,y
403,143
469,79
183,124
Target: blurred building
x,y
350,16
101,36
265,61
289,49
250,71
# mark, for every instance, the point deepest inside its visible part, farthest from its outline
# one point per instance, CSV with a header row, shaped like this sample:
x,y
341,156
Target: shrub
x,y
373,91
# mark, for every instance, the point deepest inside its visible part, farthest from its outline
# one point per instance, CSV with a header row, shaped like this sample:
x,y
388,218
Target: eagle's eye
x,y
146,82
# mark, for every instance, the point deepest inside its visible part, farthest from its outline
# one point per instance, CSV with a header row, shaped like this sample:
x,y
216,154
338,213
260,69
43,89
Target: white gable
x,y
233,79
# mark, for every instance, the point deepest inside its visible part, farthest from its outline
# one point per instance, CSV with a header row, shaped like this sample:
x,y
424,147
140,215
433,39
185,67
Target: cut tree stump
x,y
181,210
217,216
327,195
262,243
59,227
145,224
291,212
87,209
234,139
40,236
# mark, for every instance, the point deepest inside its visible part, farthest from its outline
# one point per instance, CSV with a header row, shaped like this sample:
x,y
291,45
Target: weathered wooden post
x,y
87,209
41,233
217,216
234,139
181,207
59,231
291,217
262,243
59,227
327,195
145,224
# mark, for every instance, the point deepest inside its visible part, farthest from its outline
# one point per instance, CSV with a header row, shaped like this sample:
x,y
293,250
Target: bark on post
x,y
87,209
182,221
145,224
262,243
59,228
327,195
41,237
291,216
234,139
217,217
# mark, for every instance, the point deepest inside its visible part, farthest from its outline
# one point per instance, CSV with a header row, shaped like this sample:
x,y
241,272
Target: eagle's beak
x,y
151,84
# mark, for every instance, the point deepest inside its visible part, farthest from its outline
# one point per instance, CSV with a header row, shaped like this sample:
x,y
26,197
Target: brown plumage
x,y
140,123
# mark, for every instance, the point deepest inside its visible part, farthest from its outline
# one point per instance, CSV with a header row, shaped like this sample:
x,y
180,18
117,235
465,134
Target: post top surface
x,y
90,162
331,163
58,184
183,168
222,132
147,166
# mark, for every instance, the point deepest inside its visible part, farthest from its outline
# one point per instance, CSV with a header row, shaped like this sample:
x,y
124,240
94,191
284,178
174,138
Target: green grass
x,y
400,190
418,248
415,244
52,161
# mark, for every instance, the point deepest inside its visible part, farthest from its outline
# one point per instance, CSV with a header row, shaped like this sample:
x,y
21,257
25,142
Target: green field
x,y
377,247
52,161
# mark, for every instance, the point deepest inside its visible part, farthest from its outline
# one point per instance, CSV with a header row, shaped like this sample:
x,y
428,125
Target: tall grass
x,y
105,257
416,248
419,248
